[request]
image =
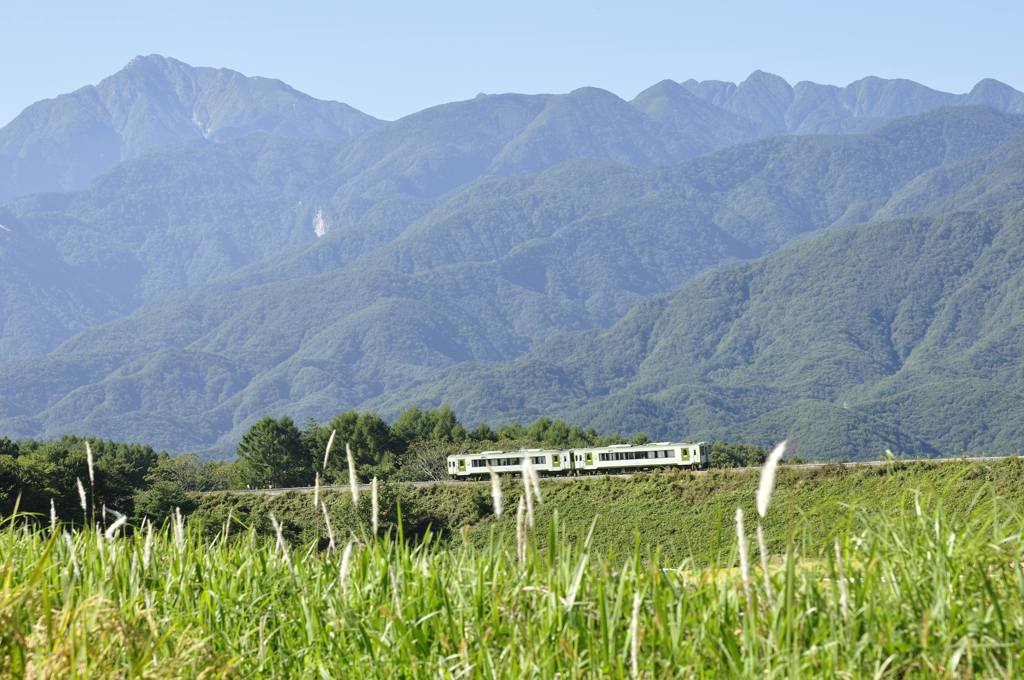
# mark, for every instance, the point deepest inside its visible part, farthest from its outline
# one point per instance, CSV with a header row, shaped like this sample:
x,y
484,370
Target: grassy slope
x,y
686,515
930,594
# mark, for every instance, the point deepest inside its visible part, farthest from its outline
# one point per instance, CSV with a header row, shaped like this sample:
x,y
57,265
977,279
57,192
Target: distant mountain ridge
x,y
486,275
158,102
810,108
242,249
154,102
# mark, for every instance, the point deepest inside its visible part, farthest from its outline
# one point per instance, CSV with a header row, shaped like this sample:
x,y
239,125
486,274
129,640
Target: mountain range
x,y
702,260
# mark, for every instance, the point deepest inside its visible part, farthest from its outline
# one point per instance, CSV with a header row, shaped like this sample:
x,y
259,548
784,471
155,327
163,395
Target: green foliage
x,y
726,455
272,454
47,470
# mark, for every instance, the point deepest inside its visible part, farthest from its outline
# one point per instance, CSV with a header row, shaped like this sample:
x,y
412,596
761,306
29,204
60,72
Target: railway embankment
x,y
686,515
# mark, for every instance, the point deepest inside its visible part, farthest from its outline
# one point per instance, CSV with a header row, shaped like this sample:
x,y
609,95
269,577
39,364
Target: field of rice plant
x,y
911,592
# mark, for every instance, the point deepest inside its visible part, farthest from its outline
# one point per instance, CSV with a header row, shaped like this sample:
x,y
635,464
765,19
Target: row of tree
x,y
136,479
276,452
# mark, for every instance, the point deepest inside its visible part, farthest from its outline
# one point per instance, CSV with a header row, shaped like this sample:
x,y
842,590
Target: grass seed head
x,y
535,483
521,528
81,493
327,452
374,506
767,485
330,530
346,563
528,494
147,548
495,491
118,523
89,463
634,637
353,482
281,545
844,593
178,526
316,491
53,517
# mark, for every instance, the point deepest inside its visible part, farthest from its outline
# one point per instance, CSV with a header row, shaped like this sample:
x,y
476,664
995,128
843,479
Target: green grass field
x,y
924,583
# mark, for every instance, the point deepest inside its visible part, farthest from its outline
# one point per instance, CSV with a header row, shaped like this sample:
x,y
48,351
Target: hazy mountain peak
x,y
996,94
766,79
155,102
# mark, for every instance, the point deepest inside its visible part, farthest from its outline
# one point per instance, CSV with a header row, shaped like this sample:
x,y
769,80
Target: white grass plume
x,y
330,530
767,485
374,506
316,491
147,548
353,482
327,452
118,523
521,529
762,547
178,526
53,517
741,540
634,637
495,491
281,545
844,593
81,493
89,463
528,492
346,563
535,482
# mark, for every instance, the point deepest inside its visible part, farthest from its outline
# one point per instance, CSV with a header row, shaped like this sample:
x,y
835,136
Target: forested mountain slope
x,y
235,248
903,334
488,274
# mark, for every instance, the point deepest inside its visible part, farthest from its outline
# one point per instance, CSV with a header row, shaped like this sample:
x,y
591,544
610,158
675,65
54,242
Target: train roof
x,y
610,447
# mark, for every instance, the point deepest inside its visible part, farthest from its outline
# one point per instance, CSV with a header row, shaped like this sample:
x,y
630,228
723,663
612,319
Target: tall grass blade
x,y
762,547
741,539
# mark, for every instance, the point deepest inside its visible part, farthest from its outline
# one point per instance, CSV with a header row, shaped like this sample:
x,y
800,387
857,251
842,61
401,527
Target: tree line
x,y
275,452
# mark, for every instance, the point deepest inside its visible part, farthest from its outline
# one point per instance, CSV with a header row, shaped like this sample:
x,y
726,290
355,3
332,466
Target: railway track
x,y
277,491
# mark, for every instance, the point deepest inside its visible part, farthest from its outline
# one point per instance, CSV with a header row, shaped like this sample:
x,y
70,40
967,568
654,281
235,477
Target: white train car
x,y
622,457
504,462
614,458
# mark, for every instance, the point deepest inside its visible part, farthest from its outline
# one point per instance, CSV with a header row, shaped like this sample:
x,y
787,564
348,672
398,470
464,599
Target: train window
x,y
538,460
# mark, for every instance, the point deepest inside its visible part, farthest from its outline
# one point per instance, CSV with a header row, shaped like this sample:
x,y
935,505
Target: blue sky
x,y
390,59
